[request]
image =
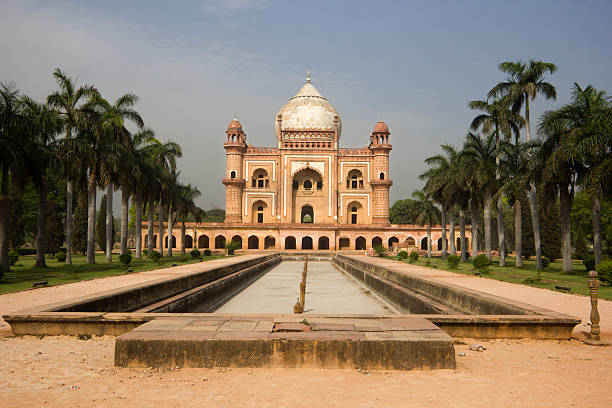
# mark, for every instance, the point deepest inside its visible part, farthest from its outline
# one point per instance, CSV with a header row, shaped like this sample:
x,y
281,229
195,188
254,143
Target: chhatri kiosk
x,y
306,192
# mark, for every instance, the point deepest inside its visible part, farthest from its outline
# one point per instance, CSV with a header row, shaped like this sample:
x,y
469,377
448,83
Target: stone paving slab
x,y
406,343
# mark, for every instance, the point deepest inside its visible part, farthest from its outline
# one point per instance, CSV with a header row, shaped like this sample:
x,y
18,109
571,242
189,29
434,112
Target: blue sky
x,y
195,63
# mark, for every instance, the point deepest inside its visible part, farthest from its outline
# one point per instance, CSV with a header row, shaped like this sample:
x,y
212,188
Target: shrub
x,y
25,251
589,262
380,250
145,252
545,262
155,256
467,255
195,253
125,258
481,262
207,252
13,257
60,256
231,247
604,271
414,256
403,254
453,260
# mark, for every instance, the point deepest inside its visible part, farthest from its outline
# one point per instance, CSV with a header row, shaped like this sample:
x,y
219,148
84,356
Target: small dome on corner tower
x,y
234,125
381,127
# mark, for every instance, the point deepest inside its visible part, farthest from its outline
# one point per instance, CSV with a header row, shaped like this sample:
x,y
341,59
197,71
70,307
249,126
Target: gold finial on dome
x,y
235,118
308,76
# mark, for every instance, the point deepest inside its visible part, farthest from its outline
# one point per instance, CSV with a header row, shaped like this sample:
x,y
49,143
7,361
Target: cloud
x,y
216,6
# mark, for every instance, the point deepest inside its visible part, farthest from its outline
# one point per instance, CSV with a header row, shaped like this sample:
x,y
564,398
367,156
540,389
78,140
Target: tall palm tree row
x,y
573,150
98,150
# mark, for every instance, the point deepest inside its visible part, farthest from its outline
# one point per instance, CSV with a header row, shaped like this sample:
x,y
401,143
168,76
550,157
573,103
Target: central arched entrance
x,y
307,243
307,215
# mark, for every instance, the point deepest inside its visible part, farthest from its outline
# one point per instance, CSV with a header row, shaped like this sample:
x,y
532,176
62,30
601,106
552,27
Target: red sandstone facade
x,y
307,192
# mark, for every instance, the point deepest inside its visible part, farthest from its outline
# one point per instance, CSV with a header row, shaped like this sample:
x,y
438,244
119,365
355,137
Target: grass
x,y
23,274
550,277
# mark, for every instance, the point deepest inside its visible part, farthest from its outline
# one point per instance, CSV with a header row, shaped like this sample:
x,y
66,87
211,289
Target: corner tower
x,y
380,180
235,146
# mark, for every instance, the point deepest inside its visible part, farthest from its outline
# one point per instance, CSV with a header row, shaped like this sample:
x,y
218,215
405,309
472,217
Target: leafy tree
x,y
401,212
79,232
427,214
214,215
101,225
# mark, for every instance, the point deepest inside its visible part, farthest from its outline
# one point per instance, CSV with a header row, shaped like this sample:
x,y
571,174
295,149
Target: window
x,y
319,185
307,185
260,216
353,215
354,179
233,174
260,181
382,176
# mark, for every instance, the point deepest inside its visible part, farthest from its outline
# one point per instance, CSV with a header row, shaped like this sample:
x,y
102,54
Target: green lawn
x,y
23,274
551,276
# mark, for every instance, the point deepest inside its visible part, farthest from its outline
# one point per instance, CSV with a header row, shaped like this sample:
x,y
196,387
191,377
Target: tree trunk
x,y
91,223
161,227
595,203
533,200
183,237
564,211
535,222
5,211
109,223
69,222
125,206
170,231
429,239
151,226
487,225
518,233
444,243
451,233
463,249
500,233
474,222
41,221
138,227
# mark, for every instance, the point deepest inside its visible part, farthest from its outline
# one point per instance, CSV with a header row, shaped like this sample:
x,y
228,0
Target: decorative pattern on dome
x,y
308,110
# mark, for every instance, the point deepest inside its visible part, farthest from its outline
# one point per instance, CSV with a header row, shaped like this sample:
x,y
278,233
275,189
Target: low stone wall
x,y
138,296
459,311
429,297
209,297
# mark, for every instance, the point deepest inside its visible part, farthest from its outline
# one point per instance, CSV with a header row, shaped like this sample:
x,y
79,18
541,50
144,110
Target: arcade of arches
x,y
292,238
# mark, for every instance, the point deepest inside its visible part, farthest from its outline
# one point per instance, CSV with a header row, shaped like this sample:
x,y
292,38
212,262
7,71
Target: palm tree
x,y
164,156
438,178
514,169
524,83
427,214
142,179
67,100
13,125
44,125
497,117
113,120
557,172
185,206
591,121
480,156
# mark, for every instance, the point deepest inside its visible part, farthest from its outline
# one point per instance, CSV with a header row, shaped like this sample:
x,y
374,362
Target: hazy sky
x,y
195,63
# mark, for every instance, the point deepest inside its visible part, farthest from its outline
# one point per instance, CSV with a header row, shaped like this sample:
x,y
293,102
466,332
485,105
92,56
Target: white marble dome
x,y
308,110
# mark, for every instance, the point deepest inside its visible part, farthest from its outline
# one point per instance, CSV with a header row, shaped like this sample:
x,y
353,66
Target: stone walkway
x,y
573,305
13,302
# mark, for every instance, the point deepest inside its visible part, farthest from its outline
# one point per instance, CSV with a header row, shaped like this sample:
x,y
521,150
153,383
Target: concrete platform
x,y
287,341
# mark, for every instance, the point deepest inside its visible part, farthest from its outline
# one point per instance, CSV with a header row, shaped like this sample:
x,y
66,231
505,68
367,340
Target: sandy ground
x,y
65,371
